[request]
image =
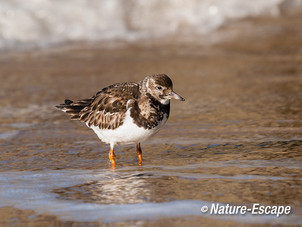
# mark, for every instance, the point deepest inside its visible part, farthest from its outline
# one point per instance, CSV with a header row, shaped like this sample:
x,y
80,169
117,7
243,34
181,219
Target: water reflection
x,y
117,190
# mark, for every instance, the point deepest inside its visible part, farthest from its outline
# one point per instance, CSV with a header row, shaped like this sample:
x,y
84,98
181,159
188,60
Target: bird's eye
x,y
159,88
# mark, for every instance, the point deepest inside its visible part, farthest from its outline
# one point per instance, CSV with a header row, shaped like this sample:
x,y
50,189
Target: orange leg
x,y
112,157
139,154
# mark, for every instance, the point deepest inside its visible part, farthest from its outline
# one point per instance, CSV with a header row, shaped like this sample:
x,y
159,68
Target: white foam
x,y
32,23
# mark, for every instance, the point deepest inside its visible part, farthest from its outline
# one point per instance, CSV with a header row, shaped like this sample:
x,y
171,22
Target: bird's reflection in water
x,y
115,190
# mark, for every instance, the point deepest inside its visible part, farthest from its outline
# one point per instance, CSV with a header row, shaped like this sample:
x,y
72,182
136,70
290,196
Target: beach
x,y
237,139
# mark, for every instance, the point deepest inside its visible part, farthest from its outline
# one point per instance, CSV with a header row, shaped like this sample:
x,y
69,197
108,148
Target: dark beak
x,y
173,95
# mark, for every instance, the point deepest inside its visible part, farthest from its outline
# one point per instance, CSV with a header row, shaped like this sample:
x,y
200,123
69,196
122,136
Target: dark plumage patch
x,y
68,101
156,113
163,80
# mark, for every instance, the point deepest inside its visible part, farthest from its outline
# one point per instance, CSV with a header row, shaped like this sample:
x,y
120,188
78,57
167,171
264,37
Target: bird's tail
x,y
74,108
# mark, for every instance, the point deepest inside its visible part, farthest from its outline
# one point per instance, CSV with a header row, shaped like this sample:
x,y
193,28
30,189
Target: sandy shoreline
x,y
243,105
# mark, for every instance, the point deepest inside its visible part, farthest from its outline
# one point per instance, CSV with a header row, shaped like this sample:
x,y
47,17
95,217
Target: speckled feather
x,y
107,109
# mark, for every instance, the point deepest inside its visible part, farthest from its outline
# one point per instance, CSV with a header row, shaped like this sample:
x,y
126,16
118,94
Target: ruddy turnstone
x,y
125,113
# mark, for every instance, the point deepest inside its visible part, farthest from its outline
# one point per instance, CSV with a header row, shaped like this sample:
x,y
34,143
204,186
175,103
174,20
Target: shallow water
x,y
236,140
129,193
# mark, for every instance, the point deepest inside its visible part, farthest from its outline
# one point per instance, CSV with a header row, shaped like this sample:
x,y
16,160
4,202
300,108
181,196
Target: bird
x,y
126,113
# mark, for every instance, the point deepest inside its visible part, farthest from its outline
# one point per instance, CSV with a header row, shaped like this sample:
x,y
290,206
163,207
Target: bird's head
x,y
161,88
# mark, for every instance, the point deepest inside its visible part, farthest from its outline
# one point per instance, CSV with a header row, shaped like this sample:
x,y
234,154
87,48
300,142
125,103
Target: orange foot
x,y
139,154
112,158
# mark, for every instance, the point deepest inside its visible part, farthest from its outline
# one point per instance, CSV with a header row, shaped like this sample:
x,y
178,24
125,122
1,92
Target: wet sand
x,y
237,139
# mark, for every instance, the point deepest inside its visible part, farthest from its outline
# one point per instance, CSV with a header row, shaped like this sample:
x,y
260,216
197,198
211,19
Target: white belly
x,y
127,133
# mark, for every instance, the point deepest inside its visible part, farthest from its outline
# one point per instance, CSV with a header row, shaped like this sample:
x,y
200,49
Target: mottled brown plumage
x,y
147,103
106,109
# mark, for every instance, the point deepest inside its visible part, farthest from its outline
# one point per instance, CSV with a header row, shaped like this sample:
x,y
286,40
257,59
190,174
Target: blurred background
x,y
40,23
237,139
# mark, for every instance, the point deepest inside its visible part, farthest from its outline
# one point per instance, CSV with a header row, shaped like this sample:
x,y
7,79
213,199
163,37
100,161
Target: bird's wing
x,y
107,108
